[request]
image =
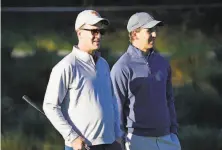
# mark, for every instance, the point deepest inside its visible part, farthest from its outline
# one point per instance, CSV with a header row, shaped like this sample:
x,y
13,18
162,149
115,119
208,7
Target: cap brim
x,y
97,20
153,24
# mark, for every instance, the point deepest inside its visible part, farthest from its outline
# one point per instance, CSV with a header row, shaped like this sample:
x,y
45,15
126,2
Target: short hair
x,y
131,34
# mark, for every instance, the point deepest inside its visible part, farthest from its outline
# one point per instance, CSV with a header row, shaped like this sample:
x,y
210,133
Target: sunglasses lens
x,y
94,32
97,31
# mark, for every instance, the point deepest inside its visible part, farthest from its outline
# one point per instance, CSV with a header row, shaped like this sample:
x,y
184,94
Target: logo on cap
x,y
95,13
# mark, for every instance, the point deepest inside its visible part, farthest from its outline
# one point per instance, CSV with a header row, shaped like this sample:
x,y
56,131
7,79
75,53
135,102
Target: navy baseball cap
x,y
142,20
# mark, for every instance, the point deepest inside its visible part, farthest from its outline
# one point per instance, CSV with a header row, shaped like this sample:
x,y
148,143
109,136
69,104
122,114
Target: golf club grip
x,y
28,100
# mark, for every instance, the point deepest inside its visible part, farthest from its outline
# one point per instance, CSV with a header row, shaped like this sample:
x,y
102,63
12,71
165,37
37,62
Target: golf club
x,y
28,100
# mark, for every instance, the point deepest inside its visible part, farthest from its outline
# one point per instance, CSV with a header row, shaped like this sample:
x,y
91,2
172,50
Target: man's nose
x,y
153,34
98,35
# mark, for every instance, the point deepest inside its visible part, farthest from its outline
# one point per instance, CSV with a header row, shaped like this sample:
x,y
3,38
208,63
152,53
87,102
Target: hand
x,y
78,144
121,142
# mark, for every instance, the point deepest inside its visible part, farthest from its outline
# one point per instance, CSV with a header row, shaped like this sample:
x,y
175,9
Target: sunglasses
x,y
96,31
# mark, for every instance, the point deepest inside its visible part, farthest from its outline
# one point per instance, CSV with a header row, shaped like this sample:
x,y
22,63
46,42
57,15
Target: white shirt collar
x,y
82,55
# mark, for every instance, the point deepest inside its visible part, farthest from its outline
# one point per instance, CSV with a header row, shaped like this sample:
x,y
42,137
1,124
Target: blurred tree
x,y
191,55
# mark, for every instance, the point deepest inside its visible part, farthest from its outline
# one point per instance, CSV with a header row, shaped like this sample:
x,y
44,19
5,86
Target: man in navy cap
x,y
143,87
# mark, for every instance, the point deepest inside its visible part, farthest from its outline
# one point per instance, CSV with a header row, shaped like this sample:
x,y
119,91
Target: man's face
x,y
146,37
91,35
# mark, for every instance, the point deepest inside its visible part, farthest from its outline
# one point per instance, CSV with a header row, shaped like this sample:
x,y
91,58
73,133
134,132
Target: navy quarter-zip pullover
x,y
143,88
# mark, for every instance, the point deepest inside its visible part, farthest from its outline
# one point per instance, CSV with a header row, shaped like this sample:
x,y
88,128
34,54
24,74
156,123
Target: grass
x,y
191,138
195,138
19,141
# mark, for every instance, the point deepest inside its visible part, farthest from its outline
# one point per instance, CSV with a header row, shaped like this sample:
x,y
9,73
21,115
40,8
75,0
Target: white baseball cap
x,y
90,17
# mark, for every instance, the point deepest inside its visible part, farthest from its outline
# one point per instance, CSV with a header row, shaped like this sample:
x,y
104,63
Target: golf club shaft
x,y
28,100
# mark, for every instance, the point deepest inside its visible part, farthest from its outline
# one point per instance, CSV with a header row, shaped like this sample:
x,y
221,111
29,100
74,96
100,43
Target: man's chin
x,y
96,47
150,46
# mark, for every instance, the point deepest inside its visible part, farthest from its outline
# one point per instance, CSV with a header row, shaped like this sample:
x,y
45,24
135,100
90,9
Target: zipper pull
x,y
149,69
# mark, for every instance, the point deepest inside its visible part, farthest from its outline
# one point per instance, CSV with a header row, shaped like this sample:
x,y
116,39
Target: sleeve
x,y
119,81
118,131
55,93
170,100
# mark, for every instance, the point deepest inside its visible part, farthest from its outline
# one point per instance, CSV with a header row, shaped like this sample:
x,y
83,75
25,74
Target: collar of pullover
x,y
135,52
86,57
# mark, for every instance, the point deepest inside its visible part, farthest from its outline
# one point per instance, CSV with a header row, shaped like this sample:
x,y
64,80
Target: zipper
x,y
147,62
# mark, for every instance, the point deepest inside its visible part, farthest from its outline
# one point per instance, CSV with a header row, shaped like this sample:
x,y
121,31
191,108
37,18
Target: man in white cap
x,y
79,99
142,85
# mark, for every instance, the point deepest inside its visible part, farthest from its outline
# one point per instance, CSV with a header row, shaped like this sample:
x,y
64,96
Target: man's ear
x,y
78,32
134,35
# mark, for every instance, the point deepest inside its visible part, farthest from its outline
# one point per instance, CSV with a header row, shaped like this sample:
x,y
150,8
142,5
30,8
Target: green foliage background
x,y
31,43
